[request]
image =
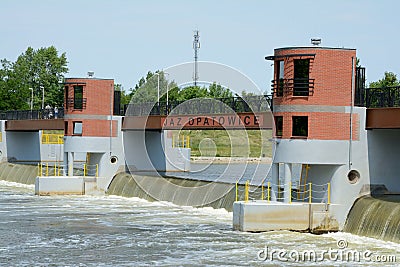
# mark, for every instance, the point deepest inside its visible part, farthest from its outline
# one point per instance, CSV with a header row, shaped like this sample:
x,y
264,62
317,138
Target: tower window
x,y
278,126
78,97
300,126
301,86
77,128
280,72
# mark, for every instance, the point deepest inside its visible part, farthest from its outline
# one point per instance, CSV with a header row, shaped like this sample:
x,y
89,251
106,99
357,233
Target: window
x,y
65,127
278,126
280,72
78,97
300,126
66,96
301,77
77,128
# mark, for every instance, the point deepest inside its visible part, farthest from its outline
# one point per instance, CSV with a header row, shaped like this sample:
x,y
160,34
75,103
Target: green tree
x,y
146,90
217,91
389,79
33,69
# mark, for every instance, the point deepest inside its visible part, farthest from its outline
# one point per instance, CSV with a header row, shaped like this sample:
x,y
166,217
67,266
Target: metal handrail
x,y
292,87
258,103
37,114
380,97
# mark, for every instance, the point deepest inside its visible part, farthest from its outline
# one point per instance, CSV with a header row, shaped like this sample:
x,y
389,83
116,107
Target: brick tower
x,y
319,136
92,135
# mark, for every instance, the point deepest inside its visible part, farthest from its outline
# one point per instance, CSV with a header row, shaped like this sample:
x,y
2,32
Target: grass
x,y
228,143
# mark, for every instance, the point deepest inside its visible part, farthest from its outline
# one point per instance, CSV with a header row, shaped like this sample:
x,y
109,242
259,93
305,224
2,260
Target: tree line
x,y
155,85
35,72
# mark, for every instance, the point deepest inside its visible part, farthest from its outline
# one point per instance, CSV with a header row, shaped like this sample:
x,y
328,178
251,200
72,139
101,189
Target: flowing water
x,y
119,231
376,216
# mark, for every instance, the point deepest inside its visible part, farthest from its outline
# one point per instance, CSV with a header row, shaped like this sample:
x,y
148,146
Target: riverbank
x,y
226,160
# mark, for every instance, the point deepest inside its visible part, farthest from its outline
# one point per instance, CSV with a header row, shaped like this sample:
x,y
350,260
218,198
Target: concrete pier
x,y
68,185
261,216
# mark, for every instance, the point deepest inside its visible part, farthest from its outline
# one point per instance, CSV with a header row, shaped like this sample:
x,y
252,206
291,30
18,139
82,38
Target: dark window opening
x,y
66,96
279,126
78,97
300,126
280,75
301,77
65,127
77,128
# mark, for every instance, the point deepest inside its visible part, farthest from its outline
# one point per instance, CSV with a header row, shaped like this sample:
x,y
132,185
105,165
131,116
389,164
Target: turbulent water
x,y
377,216
118,231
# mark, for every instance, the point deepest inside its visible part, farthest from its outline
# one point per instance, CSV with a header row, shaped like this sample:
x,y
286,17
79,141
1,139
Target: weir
x,y
183,192
18,173
375,216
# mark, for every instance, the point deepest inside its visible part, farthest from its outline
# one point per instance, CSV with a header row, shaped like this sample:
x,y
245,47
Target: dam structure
x,y
330,147
335,148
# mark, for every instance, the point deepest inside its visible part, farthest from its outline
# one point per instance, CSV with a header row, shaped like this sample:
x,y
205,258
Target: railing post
x,y
329,193
310,193
290,192
55,169
47,169
38,169
84,170
97,170
269,191
237,191
173,141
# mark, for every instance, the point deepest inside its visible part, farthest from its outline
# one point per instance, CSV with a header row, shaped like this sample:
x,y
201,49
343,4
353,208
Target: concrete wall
x,y
144,150
107,152
23,146
153,151
3,145
383,157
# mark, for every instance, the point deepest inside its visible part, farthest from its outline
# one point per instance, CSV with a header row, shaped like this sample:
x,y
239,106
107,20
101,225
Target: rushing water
x,y
376,216
117,231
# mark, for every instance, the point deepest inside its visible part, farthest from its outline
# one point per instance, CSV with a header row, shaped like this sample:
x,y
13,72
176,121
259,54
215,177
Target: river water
x,y
117,231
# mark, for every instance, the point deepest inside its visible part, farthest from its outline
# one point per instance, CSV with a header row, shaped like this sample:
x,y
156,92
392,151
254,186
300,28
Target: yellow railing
x,y
181,141
56,139
1,137
310,193
57,169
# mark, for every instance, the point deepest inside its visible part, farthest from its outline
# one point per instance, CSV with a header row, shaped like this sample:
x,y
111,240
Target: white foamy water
x,y
117,231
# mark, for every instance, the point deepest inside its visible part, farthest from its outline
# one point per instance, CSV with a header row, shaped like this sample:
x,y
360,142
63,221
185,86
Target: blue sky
x,y
124,39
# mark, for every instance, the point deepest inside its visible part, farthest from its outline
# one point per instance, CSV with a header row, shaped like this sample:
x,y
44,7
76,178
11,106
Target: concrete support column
x,y
274,180
288,180
70,163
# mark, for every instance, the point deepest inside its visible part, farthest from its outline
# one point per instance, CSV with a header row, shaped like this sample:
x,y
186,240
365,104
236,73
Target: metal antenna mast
x,y
196,47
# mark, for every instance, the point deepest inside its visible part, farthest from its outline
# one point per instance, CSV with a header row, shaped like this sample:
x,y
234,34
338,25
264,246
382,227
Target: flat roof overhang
x,y
383,118
34,125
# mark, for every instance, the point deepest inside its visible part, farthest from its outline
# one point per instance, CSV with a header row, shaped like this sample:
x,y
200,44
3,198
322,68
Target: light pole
x,y
167,92
31,98
41,87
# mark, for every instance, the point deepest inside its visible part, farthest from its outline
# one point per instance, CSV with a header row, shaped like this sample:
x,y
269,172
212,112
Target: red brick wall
x,y
323,125
332,70
99,128
99,94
